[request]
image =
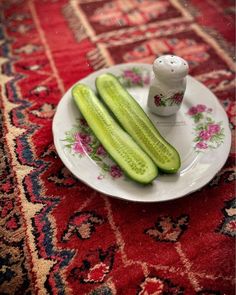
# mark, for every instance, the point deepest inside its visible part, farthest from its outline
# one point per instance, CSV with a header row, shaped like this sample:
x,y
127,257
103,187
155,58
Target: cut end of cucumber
x,y
172,166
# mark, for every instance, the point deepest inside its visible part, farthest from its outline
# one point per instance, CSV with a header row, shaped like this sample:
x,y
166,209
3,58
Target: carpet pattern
x,y
58,236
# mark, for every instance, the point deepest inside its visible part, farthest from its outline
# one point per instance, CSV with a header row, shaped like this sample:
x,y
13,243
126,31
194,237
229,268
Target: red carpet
x,y
58,236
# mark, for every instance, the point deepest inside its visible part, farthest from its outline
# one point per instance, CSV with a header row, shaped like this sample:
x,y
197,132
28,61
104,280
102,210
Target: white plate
x,y
199,131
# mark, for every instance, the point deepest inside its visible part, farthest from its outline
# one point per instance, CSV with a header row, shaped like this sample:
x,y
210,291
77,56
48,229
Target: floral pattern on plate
x,y
82,142
134,77
208,133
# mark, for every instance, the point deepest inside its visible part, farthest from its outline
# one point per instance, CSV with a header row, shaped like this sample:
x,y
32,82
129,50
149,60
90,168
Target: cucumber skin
x,y
177,160
101,138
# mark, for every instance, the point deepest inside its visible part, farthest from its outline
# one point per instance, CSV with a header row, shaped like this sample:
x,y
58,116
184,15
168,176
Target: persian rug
x,y
57,235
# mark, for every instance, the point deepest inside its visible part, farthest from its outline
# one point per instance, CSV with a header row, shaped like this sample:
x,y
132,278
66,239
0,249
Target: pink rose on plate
x,y
83,138
201,108
136,79
201,145
78,148
132,76
192,111
101,151
205,134
128,73
214,128
88,149
115,171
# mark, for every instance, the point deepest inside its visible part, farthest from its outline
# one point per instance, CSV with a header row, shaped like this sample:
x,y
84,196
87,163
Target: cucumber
x,y
121,147
134,120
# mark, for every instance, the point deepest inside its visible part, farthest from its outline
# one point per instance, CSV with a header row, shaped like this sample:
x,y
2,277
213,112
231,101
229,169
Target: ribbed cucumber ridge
x,y
116,141
136,123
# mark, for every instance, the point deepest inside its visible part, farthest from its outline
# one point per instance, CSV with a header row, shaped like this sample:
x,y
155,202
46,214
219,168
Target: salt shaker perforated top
x,y
167,89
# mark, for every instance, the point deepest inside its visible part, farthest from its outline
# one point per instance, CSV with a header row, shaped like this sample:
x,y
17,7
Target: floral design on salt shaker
x,y
167,89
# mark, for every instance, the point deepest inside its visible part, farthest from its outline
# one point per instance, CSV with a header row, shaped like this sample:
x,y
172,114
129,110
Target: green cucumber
x,y
121,147
134,120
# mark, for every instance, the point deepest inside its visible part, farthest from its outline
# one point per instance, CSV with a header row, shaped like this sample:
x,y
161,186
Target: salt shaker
x,y
167,89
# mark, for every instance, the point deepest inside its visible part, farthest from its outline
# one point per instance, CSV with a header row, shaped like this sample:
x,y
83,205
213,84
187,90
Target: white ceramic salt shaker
x,y
167,89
